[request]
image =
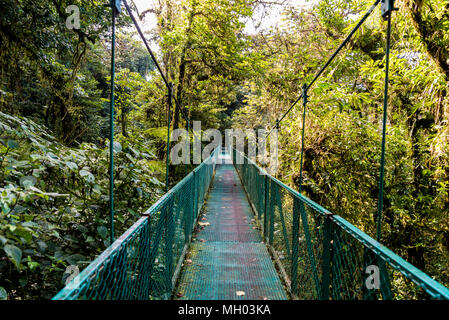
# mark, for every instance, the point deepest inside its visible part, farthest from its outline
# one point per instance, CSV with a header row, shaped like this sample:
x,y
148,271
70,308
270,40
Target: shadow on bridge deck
x,y
227,255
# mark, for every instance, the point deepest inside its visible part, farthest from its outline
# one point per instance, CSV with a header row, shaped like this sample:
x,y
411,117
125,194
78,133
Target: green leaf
x,y
156,181
24,233
42,246
12,144
133,213
82,228
14,254
117,147
102,231
28,181
120,218
18,209
52,155
87,175
75,258
3,294
72,165
32,264
5,208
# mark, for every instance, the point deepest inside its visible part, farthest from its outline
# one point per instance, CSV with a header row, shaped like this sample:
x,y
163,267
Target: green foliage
x,y
54,203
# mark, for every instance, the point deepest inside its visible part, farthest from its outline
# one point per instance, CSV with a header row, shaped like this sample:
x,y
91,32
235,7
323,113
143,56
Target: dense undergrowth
x,y
54,204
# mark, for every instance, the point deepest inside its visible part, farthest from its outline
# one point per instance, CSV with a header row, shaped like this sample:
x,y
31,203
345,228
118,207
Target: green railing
x,y
145,261
323,256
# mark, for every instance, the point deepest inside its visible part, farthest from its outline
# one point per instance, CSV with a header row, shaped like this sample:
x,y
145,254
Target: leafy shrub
x,y
54,203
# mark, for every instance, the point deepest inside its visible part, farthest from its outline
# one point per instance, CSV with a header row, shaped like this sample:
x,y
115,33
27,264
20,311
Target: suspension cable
x,y
320,72
384,125
304,94
139,30
111,128
169,86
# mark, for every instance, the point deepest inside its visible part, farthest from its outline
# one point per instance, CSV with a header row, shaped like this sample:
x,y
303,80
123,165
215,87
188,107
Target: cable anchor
x,y
386,7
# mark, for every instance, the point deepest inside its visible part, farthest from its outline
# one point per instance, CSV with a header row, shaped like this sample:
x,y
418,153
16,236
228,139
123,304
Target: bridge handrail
x,y
133,249
315,253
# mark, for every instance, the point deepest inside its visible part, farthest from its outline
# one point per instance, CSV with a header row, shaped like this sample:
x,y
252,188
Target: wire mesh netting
x,y
321,255
145,261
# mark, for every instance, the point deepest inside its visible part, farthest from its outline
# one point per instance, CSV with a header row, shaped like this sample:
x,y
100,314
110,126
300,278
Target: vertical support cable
x,y
326,264
295,246
276,159
169,240
111,130
304,95
384,125
167,164
265,216
188,137
271,212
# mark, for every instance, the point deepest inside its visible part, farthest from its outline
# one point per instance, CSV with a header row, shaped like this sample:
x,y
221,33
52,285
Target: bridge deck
x,y
227,256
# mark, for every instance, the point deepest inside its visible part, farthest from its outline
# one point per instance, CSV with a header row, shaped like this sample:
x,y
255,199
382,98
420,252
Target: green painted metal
x,y
309,247
188,129
325,283
384,129
330,254
304,95
140,265
295,247
265,206
116,4
271,213
387,6
111,130
167,158
228,254
278,203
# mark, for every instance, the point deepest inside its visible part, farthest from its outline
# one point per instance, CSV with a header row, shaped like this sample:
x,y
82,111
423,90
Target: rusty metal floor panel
x,y
227,256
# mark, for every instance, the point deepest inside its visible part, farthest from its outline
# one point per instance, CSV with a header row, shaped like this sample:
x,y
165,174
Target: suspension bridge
x,y
228,230
231,231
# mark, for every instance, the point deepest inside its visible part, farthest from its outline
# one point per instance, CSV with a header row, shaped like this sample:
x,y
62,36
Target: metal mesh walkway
x,y
227,259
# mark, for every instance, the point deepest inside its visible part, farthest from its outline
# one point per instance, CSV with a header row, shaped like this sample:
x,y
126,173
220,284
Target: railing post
x,y
111,128
271,234
295,247
188,218
326,266
265,217
304,96
167,164
188,138
169,237
144,268
195,193
309,244
387,8
260,193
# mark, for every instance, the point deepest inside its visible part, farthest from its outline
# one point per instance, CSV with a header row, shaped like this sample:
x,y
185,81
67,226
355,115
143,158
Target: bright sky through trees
x,y
267,19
